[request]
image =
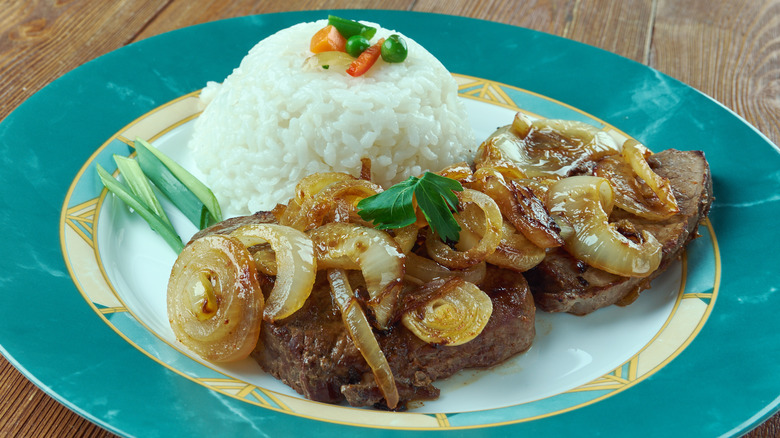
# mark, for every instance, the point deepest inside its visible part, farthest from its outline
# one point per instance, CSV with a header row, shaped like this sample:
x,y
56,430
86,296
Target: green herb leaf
x,y
155,222
189,195
394,208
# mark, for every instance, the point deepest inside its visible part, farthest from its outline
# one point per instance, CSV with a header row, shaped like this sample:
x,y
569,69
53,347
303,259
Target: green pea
x,y
356,44
394,49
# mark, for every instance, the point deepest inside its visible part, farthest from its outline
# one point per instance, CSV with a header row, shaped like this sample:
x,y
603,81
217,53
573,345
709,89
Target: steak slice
x,y
311,351
561,283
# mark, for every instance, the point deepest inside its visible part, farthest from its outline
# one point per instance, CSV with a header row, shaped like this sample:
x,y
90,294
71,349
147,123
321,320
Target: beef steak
x,y
311,351
561,283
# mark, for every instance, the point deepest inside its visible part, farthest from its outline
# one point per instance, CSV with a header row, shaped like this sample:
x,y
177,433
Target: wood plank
x,y
550,16
180,13
43,40
728,50
621,27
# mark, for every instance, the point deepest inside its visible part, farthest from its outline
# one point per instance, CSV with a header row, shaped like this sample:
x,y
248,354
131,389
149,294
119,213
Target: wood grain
x,y
728,49
184,13
41,41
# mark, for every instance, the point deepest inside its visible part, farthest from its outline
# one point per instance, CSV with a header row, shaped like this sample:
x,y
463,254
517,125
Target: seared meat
x,y
563,284
312,352
229,225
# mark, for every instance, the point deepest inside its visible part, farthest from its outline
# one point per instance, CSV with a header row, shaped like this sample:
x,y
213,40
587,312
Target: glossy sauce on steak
x,y
312,352
561,283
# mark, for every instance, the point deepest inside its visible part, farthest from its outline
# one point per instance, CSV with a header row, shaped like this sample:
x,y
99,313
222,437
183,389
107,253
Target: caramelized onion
x,y
638,189
636,155
314,209
548,148
583,203
365,168
265,259
312,184
297,266
492,221
214,300
425,270
285,214
374,252
520,206
362,335
459,171
406,237
455,313
515,251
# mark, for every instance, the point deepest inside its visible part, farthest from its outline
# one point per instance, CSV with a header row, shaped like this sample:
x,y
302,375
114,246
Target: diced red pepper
x,y
366,59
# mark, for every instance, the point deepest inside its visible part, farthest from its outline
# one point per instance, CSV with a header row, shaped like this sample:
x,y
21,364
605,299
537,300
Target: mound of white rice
x,y
274,121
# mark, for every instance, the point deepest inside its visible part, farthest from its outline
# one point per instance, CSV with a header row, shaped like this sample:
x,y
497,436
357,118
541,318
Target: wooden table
x,y
726,48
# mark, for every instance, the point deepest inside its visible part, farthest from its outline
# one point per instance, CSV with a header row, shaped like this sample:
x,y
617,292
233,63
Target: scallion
x,y
165,230
138,183
191,197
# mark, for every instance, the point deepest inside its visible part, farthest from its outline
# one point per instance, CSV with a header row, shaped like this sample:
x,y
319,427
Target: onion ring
x,y
295,261
374,252
583,204
455,259
214,300
455,313
362,335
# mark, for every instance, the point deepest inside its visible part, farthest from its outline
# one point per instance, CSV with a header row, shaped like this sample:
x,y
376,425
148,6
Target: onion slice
x,y
214,300
520,206
406,237
295,261
332,199
426,270
638,189
636,155
460,172
583,204
374,252
491,235
454,313
515,251
362,335
548,148
312,184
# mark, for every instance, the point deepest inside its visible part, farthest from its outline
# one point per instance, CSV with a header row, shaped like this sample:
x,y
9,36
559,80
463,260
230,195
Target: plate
x,y
122,267
722,381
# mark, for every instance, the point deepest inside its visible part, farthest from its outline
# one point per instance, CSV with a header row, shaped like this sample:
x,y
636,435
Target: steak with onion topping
x,y
311,351
561,283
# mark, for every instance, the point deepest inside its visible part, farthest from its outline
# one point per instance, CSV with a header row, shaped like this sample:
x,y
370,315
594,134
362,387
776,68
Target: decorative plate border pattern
x,y
695,300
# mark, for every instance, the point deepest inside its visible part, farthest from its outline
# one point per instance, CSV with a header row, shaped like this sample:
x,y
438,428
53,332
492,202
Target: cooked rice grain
x,y
274,121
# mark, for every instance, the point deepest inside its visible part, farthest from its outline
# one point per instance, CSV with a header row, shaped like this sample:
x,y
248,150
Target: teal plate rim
x,y
723,383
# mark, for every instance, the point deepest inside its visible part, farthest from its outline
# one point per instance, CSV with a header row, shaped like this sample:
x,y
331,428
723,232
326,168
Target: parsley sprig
x,y
435,195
